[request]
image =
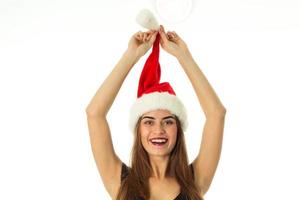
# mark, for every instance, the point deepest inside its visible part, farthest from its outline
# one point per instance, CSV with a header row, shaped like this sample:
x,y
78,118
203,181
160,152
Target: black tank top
x,y
125,172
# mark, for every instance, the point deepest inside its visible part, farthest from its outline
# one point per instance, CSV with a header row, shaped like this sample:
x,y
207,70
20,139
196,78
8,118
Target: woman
x,y
157,172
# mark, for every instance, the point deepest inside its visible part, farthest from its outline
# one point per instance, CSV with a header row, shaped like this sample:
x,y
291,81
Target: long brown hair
x,y
136,183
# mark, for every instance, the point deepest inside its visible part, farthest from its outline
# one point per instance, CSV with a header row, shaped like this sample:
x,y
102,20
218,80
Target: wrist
x,y
184,55
131,55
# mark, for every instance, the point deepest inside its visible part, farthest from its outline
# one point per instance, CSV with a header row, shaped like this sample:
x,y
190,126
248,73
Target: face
x,y
158,131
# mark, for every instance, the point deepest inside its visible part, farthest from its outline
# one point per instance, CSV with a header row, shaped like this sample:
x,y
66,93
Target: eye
x,y
169,122
148,122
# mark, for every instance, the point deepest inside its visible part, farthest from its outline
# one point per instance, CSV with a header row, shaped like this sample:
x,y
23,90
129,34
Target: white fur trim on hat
x,y
154,101
146,19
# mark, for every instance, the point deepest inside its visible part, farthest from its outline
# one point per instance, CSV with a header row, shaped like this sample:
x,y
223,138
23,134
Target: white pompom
x,y
146,19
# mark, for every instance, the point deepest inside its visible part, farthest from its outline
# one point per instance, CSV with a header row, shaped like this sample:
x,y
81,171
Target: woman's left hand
x,y
172,43
141,42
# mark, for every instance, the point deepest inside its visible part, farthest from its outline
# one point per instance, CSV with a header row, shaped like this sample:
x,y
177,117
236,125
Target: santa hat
x,y
153,95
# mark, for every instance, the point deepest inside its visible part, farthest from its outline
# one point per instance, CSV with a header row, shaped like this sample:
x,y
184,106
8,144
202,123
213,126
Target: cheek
x,y
173,134
144,136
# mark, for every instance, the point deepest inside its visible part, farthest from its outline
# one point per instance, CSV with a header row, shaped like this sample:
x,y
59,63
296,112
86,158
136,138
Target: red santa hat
x,y
153,95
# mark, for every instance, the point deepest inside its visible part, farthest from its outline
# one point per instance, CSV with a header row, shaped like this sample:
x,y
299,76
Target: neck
x,y
159,166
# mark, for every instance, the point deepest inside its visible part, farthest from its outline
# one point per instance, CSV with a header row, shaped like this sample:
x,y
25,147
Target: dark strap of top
x,y
126,169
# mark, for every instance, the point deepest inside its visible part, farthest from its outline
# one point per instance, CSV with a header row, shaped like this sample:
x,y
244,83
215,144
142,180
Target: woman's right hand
x,y
141,42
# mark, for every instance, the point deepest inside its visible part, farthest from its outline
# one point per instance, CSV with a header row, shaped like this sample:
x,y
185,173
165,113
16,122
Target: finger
x,y
137,36
150,31
153,37
138,33
141,34
140,39
144,37
173,37
162,28
176,35
148,37
163,35
170,36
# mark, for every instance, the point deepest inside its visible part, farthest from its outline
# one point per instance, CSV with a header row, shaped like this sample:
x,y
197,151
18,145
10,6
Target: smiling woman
x,y
159,169
158,131
164,166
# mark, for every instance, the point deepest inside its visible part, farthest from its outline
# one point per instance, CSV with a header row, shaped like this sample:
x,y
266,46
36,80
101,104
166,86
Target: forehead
x,y
158,113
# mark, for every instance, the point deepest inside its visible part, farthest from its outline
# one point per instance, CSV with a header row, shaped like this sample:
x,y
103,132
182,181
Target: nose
x,y
159,128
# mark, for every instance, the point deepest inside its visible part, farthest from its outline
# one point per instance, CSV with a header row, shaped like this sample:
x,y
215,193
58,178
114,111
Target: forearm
x,y
207,97
104,97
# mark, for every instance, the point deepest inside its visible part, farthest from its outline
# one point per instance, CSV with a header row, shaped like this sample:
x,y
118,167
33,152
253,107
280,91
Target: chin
x,y
158,152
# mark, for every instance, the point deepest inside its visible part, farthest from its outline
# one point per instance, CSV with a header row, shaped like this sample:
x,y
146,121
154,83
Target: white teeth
x,y
159,140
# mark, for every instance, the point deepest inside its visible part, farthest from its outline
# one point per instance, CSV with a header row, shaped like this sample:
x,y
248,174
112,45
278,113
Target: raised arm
x,y
208,157
108,163
206,162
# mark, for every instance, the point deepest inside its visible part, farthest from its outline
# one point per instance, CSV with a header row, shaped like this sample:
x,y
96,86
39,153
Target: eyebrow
x,y
162,118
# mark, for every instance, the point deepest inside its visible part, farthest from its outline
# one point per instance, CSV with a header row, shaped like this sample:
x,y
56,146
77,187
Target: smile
x,y
159,142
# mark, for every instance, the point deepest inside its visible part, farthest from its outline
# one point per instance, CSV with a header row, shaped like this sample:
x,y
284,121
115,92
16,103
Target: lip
x,y
158,138
159,147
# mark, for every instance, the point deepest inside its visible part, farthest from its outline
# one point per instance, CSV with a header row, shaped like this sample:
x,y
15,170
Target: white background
x,y
54,55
